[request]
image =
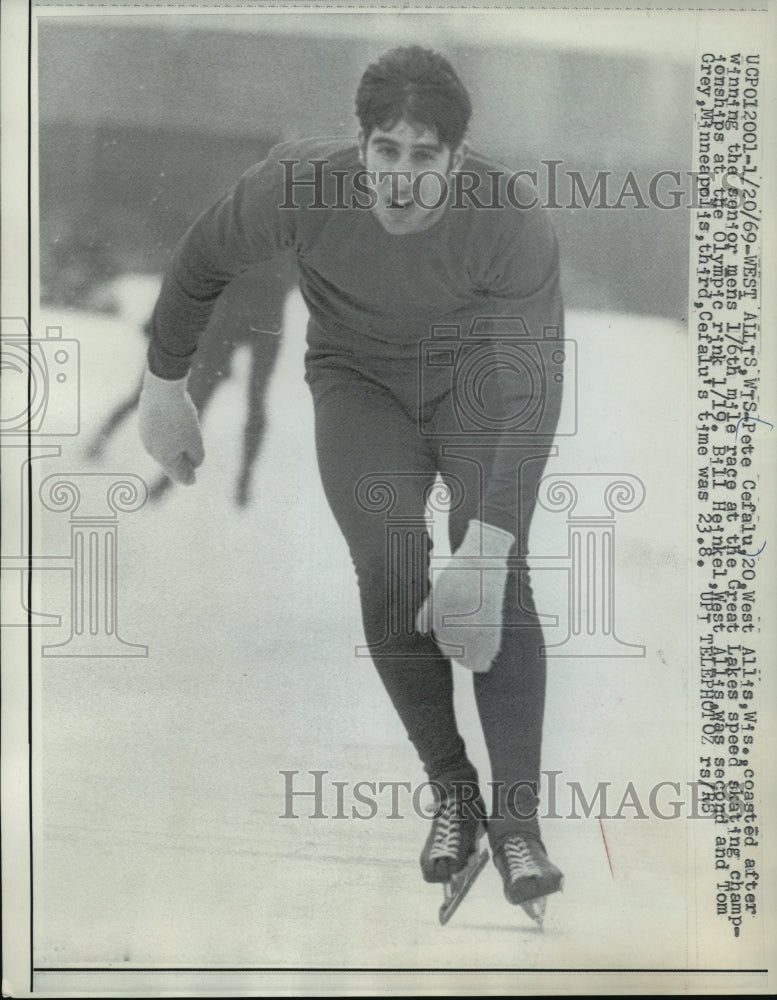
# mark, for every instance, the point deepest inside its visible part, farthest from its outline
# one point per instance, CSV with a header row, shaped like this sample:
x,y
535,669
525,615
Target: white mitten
x,y
169,427
464,606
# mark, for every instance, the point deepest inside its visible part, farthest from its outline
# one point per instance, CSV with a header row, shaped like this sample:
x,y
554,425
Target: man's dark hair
x,y
417,85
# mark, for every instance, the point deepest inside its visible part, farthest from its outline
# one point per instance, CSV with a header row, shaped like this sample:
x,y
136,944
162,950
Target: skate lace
x,y
519,859
447,834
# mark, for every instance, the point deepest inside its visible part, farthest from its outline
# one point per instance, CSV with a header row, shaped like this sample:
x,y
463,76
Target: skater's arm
x,y
245,227
526,288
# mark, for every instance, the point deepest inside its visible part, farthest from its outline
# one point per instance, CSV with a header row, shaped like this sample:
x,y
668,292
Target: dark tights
x,y
377,470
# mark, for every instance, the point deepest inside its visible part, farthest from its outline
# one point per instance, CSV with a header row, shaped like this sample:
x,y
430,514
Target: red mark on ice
x,y
606,848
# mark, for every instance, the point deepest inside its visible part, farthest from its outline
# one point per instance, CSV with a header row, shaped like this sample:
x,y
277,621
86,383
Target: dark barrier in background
x,y
116,198
142,125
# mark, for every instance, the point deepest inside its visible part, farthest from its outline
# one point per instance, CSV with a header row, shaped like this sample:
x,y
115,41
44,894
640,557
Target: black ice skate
x,y
452,854
528,876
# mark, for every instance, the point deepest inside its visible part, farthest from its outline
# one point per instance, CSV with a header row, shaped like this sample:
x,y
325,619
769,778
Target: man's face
x,y
407,201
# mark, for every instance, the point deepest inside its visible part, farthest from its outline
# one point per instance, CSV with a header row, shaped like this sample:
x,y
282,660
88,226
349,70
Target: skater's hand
x,y
464,607
169,428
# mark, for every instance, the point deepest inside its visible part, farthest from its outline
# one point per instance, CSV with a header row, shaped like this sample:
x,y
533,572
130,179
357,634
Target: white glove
x,y
470,590
169,427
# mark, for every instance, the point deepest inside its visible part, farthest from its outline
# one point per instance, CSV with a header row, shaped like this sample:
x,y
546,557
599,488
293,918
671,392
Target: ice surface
x,y
159,840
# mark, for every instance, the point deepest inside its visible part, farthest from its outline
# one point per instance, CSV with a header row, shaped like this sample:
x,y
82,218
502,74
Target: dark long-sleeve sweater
x,y
378,301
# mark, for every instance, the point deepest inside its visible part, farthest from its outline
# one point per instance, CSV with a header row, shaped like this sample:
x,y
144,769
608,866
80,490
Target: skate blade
x,y
459,885
535,908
